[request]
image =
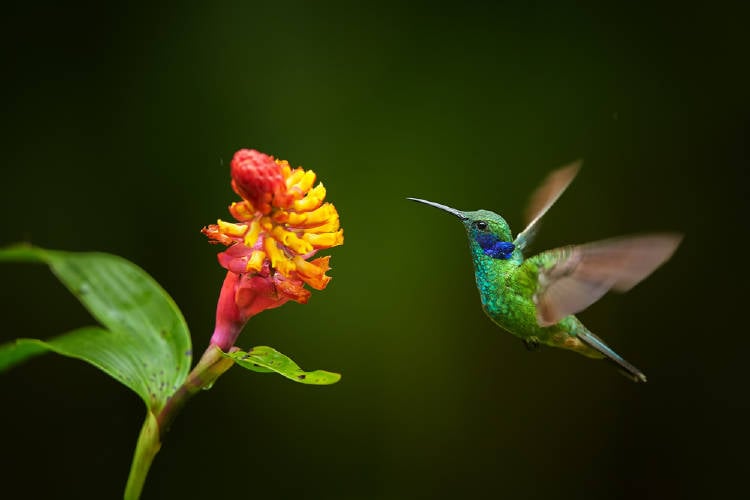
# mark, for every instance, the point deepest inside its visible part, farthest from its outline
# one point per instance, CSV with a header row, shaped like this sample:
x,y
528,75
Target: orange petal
x,y
293,290
280,216
322,262
213,232
313,273
242,210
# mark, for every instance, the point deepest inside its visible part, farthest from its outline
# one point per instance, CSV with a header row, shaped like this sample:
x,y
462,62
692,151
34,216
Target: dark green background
x,y
118,126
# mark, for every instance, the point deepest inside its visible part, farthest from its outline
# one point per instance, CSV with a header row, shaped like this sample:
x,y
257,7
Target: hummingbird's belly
x,y
517,315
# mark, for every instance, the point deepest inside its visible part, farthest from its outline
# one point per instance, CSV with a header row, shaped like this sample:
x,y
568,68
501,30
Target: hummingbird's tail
x,y
597,344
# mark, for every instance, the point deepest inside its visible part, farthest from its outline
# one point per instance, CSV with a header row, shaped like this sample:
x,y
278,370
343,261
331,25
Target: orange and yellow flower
x,y
281,223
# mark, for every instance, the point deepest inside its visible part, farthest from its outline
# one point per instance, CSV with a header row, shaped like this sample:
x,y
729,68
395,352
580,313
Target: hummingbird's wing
x,y
569,279
543,198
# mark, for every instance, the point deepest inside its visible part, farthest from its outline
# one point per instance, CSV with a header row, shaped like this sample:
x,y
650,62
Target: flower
x,y
282,222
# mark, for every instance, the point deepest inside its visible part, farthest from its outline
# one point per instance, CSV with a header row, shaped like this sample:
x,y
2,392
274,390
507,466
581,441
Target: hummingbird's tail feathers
x,y
625,368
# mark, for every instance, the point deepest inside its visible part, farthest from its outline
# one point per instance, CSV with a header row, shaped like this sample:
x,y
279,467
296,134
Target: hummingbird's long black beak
x,y
450,210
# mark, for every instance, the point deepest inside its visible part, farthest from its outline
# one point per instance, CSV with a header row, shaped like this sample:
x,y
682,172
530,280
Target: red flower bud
x,y
256,177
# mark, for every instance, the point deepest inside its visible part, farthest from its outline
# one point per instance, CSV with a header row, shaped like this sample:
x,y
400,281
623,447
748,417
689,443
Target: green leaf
x,y
17,352
266,359
146,343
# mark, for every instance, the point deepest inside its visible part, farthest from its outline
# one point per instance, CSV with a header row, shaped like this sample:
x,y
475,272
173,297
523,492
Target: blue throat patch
x,y
494,247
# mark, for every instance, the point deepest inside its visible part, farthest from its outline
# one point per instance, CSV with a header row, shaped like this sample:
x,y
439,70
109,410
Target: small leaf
x,y
146,343
265,359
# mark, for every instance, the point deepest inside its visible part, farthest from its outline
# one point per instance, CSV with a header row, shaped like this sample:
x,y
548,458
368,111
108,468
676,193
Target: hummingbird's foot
x,y
531,343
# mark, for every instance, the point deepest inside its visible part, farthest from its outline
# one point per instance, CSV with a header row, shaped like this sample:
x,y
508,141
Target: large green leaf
x,y
146,343
265,359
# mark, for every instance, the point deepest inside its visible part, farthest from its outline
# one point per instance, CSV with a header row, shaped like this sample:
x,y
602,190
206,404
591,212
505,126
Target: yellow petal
x,y
252,233
255,262
266,224
294,177
285,267
302,186
279,260
329,226
291,240
318,216
231,229
285,168
312,201
325,240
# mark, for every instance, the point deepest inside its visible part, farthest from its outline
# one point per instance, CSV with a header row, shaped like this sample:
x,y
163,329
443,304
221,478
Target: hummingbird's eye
x,y
481,225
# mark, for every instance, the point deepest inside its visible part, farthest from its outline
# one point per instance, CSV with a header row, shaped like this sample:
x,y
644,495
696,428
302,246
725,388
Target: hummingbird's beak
x,y
450,210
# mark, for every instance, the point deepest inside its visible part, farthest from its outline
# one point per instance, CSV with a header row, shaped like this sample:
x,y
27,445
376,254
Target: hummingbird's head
x,y
487,231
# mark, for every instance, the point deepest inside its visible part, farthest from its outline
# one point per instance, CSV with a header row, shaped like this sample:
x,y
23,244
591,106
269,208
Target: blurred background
x,y
119,122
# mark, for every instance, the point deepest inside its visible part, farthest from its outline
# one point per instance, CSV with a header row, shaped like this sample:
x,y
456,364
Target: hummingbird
x,y
536,298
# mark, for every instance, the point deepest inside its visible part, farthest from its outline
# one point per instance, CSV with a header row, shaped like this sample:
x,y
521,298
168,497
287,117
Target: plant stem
x,y
210,367
145,451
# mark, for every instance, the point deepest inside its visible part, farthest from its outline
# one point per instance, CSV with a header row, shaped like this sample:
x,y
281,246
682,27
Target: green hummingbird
x,y
536,298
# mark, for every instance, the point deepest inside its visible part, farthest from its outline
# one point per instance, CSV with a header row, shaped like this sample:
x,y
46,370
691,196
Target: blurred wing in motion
x,y
543,198
572,278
